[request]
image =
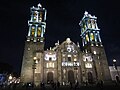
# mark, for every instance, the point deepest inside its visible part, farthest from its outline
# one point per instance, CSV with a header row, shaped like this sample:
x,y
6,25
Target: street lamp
x,y
34,58
114,60
115,65
10,77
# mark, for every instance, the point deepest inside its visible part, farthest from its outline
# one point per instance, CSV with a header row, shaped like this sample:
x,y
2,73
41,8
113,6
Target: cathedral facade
x,y
65,62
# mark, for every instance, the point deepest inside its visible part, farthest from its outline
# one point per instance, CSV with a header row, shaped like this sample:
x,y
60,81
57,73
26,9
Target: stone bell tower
x,y
34,42
90,34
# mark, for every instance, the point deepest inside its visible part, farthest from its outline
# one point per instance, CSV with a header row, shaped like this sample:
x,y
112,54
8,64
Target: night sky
x,y
63,18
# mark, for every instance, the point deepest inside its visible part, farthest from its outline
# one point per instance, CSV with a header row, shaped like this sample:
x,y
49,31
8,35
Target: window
x,y
69,55
50,65
70,64
89,23
87,58
91,36
35,13
40,17
93,24
76,64
69,58
87,38
88,65
33,31
39,31
34,18
84,26
50,58
64,63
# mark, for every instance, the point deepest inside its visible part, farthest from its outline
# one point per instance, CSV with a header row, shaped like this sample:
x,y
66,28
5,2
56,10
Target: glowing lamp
x,y
35,58
114,60
10,77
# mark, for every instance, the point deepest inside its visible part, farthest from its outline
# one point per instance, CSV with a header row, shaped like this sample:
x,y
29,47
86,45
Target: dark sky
x,y
63,18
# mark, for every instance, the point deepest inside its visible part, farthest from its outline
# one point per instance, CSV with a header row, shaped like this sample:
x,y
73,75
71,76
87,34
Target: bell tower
x,y
90,34
34,42
90,31
37,24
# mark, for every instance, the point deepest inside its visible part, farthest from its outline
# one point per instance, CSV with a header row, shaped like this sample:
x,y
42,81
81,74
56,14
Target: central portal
x,y
90,77
49,77
71,76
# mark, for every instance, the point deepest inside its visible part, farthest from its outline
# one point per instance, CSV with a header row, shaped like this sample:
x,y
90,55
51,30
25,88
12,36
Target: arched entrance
x,y
71,76
117,79
90,78
49,77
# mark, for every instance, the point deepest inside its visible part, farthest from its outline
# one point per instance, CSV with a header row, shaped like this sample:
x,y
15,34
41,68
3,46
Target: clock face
x,y
70,48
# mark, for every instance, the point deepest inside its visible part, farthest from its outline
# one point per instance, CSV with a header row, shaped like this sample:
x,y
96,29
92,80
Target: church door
x,y
49,77
90,78
71,76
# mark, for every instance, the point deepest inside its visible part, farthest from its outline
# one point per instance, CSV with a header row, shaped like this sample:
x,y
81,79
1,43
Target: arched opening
x,y
71,76
49,77
90,78
117,79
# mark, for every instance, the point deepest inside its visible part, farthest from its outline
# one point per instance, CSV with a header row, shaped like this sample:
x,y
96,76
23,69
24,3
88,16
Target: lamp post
x,y
115,65
10,78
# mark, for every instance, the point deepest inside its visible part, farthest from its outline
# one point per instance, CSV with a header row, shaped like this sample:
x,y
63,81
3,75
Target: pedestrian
x,y
58,84
71,85
76,85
